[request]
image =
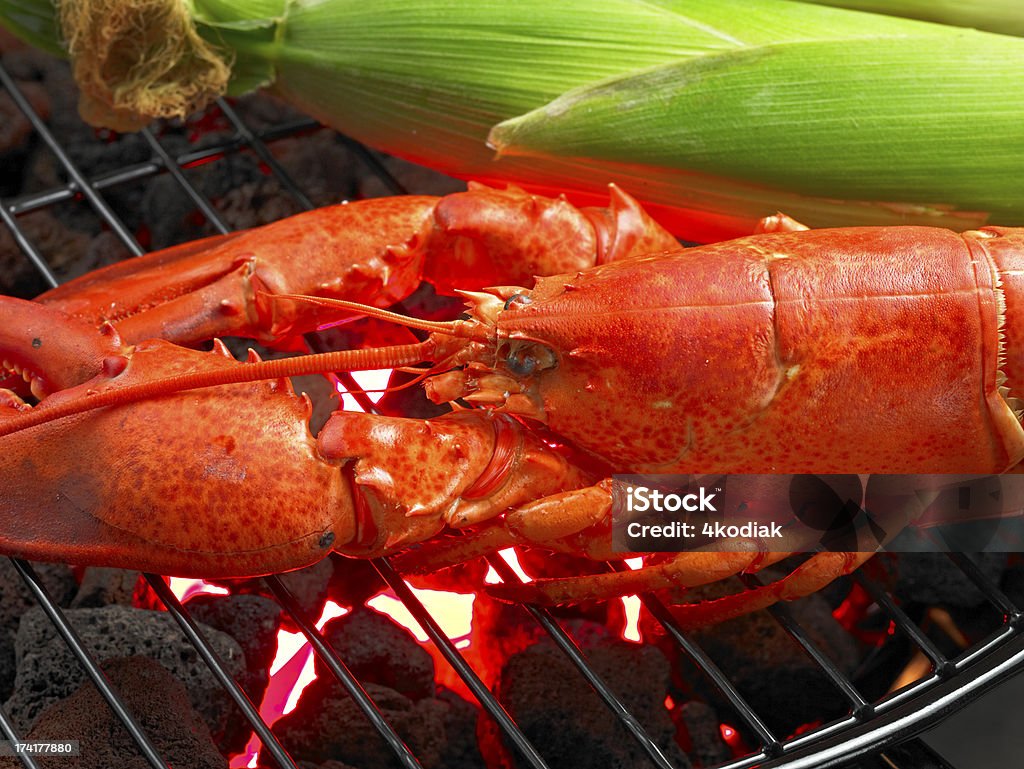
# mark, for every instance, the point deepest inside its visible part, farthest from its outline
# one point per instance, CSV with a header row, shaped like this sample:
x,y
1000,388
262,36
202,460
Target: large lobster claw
x,y
180,482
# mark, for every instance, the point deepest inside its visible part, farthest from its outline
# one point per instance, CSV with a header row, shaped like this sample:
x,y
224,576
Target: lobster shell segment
x,y
853,350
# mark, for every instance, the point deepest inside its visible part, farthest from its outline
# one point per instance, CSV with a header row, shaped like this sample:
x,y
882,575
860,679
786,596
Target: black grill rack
x,y
879,733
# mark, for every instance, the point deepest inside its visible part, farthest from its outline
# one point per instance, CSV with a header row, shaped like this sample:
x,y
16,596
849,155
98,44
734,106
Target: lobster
x,y
852,350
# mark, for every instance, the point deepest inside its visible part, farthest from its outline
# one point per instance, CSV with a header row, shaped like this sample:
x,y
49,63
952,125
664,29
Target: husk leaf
x,y
1003,16
869,118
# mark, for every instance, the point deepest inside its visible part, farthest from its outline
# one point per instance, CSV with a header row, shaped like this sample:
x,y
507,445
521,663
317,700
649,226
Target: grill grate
x,y
888,724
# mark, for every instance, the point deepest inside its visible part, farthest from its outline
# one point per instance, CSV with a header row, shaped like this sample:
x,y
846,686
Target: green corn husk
x,y
864,126
1003,16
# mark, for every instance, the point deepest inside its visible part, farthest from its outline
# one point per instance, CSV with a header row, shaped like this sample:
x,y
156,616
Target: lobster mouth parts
x,y
11,370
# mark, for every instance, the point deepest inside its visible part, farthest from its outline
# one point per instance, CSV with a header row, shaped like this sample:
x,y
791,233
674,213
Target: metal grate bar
x,y
344,675
216,665
459,664
140,171
7,728
179,176
574,653
99,679
784,616
264,154
707,666
81,183
943,667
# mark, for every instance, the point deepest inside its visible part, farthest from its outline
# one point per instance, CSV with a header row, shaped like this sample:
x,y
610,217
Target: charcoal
x,y
328,725
379,651
567,721
932,579
157,700
771,670
15,600
48,671
707,748
102,586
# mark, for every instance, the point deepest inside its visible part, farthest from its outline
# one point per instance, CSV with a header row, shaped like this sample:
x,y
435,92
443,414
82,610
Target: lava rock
x,y
328,725
354,580
567,721
310,586
378,651
48,671
932,579
159,703
462,751
102,586
16,599
254,622
251,620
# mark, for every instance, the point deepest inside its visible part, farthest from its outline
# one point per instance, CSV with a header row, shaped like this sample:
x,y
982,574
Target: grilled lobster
x,y
856,350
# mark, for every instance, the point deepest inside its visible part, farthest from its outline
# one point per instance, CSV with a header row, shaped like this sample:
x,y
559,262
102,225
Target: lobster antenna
x,y
465,329
255,370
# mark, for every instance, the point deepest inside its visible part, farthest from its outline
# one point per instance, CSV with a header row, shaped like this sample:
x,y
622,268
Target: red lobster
x,y
855,350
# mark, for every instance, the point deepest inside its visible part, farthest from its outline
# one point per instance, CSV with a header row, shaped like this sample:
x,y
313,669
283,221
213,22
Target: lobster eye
x,y
525,359
520,299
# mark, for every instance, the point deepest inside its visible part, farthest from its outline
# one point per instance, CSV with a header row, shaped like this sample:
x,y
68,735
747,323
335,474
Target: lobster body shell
x,y
856,350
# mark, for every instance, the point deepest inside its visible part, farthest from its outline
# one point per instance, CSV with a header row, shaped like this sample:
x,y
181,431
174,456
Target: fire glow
x,y
373,382
293,668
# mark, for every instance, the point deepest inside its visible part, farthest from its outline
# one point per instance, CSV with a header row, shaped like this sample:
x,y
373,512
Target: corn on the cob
x,y
835,117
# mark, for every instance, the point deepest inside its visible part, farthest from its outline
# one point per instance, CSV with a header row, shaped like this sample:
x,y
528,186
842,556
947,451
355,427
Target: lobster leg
x,y
811,576
578,522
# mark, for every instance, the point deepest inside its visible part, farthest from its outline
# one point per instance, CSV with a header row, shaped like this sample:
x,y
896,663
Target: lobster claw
x,y
218,482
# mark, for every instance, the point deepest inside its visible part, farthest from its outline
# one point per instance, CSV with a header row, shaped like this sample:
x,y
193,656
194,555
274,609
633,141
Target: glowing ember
x,y
452,611
631,607
631,632
187,588
733,739
291,672
374,382
509,556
